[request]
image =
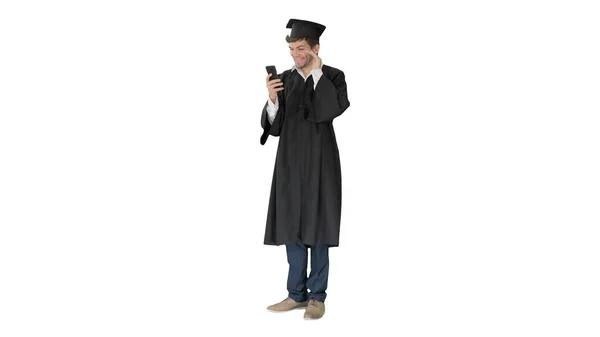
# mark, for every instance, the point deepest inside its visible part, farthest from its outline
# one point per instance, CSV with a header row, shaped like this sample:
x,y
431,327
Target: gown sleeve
x,y
328,100
273,129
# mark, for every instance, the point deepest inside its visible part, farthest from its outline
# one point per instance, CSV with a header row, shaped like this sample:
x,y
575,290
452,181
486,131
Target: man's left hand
x,y
316,62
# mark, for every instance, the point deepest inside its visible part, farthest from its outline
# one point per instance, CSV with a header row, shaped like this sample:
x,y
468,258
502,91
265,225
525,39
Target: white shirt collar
x,y
299,71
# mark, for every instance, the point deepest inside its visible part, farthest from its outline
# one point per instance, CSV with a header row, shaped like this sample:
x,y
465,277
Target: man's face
x,y
299,52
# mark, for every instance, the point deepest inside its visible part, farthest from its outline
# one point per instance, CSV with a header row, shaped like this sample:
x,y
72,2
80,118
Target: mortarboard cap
x,y
303,28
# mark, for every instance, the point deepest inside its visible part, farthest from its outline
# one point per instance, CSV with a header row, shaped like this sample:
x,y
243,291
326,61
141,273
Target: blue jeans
x,y
297,283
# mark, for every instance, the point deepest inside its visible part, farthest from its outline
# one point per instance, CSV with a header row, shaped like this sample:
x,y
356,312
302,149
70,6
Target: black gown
x,y
306,193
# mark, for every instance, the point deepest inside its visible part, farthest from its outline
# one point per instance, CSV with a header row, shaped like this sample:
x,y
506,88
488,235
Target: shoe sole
x,y
278,311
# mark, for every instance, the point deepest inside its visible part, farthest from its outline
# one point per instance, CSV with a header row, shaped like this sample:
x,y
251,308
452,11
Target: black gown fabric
x,y
306,192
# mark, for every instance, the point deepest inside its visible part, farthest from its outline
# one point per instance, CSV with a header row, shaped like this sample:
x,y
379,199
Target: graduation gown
x,y
306,192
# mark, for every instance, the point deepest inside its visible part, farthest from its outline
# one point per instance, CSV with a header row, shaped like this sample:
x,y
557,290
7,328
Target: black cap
x,y
303,28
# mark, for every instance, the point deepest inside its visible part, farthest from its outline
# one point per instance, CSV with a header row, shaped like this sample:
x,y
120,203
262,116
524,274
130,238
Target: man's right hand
x,y
274,86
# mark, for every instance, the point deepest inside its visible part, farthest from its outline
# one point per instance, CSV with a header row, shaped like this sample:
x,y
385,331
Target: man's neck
x,y
306,71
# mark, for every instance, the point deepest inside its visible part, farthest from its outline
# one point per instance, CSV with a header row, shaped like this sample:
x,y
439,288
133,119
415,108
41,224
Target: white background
x,y
134,189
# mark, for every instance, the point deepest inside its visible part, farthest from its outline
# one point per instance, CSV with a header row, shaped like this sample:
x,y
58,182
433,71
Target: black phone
x,y
272,70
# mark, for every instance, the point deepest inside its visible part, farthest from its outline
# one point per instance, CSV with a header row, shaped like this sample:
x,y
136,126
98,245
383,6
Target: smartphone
x,y
272,70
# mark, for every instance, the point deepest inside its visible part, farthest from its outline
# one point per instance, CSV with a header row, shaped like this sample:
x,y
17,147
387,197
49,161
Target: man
x,y
306,192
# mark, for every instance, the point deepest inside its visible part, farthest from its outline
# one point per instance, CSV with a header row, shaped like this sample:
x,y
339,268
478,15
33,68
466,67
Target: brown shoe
x,y
287,305
315,310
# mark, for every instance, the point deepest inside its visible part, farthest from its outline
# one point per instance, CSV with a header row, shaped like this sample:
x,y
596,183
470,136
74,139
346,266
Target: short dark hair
x,y
311,42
